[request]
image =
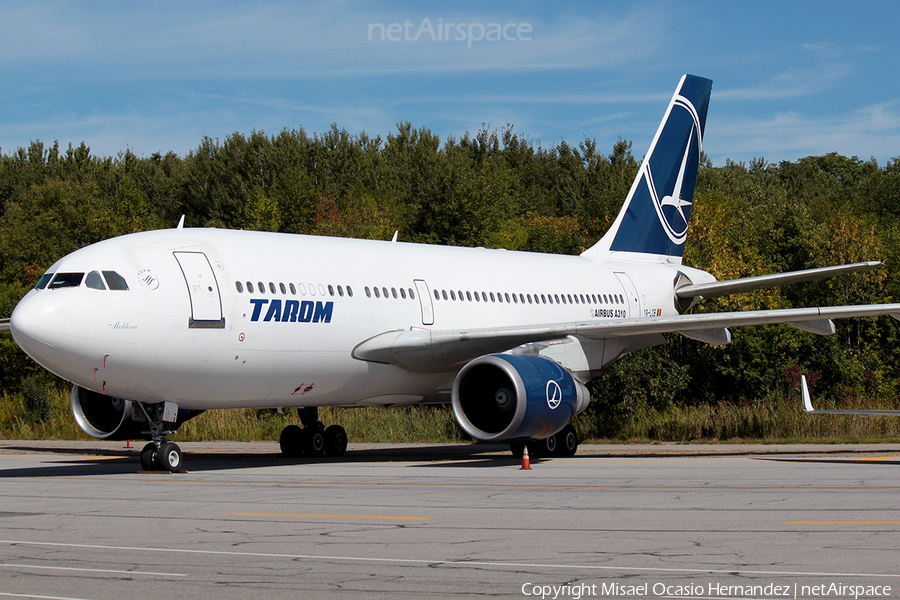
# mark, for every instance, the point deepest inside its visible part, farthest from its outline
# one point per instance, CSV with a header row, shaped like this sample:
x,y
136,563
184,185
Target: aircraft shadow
x,y
98,462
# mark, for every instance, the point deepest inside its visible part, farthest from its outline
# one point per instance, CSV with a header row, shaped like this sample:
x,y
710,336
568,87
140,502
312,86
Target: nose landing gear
x,y
159,454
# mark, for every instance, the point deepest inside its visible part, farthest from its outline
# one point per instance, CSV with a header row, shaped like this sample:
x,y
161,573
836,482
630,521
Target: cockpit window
x,y
94,281
115,281
43,281
64,280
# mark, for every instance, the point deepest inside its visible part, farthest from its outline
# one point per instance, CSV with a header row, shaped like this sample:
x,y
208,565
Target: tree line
x,y
497,189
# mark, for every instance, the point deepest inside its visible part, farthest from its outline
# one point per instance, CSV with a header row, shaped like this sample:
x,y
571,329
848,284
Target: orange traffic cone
x,y
526,462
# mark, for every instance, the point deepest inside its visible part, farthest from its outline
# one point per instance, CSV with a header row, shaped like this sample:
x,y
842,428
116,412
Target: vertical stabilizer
x,y
653,222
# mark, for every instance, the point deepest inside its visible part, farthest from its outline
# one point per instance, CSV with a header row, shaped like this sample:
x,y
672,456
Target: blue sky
x,y
790,79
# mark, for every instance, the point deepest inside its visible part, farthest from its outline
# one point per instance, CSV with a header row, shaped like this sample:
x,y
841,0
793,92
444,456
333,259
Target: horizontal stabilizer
x,y
748,284
808,407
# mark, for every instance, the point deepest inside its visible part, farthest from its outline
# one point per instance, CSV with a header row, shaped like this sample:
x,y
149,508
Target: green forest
x,y
499,190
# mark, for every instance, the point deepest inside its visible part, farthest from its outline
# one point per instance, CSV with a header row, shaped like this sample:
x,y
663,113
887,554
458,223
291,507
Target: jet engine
x,y
501,397
107,418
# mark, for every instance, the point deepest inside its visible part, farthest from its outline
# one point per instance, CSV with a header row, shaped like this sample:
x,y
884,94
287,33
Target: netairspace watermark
x,y
829,589
446,32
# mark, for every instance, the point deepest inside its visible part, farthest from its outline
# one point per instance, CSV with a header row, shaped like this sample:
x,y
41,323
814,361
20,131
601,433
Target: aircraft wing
x,y
808,407
422,350
4,325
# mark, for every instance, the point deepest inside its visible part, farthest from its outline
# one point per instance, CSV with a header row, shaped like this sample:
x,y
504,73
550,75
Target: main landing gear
x,y
160,455
313,439
564,443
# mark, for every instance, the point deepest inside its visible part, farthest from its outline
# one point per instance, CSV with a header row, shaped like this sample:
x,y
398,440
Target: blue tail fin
x,y
654,219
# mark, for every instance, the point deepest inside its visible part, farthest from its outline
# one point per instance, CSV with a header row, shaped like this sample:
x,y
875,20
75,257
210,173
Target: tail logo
x,y
672,210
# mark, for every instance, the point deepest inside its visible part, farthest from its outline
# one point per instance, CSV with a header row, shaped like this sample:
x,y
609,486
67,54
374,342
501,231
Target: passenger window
x,y
412,295
437,295
293,289
453,294
368,292
43,281
94,281
330,290
403,293
444,294
384,291
349,291
64,280
377,294
249,287
394,293
468,296
262,287
492,297
239,287
301,288
271,287
282,288
507,298
340,291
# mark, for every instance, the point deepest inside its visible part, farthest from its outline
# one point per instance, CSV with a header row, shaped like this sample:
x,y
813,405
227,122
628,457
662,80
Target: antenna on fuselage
x,y
394,239
180,223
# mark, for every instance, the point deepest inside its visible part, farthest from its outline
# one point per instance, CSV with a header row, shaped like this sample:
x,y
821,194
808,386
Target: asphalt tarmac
x,y
81,521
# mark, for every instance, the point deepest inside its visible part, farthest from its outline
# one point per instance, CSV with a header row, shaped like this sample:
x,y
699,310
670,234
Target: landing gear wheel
x,y
335,441
148,457
548,446
314,444
518,449
291,441
169,457
536,449
567,441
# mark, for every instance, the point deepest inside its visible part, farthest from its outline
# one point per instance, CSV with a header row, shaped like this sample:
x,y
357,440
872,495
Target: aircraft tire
x,y
335,441
567,441
314,442
148,457
169,457
292,441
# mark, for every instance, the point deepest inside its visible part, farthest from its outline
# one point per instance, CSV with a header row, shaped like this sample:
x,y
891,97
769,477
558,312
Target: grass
x,y
770,422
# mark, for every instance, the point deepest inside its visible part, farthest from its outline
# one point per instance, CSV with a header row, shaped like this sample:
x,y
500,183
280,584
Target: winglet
x,y
804,393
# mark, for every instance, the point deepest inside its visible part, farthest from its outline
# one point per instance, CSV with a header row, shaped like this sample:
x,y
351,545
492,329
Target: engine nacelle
x,y
104,417
107,418
506,397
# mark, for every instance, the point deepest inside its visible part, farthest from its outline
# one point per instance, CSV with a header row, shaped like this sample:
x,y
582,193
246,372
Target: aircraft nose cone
x,y
37,322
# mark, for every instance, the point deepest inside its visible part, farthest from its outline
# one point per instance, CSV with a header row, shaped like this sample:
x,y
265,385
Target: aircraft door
x,y
631,295
203,291
425,302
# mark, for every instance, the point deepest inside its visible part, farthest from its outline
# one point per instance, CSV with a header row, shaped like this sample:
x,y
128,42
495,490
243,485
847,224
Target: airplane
x,y
808,407
153,328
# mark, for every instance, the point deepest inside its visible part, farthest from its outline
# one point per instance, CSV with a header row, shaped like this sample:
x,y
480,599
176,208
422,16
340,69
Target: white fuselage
x,y
226,319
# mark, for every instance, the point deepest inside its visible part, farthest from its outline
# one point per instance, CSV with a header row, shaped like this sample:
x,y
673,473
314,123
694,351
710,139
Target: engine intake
x,y
507,397
107,418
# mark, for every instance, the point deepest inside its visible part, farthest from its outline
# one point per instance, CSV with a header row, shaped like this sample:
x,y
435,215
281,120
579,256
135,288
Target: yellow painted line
x,y
877,458
842,522
249,514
